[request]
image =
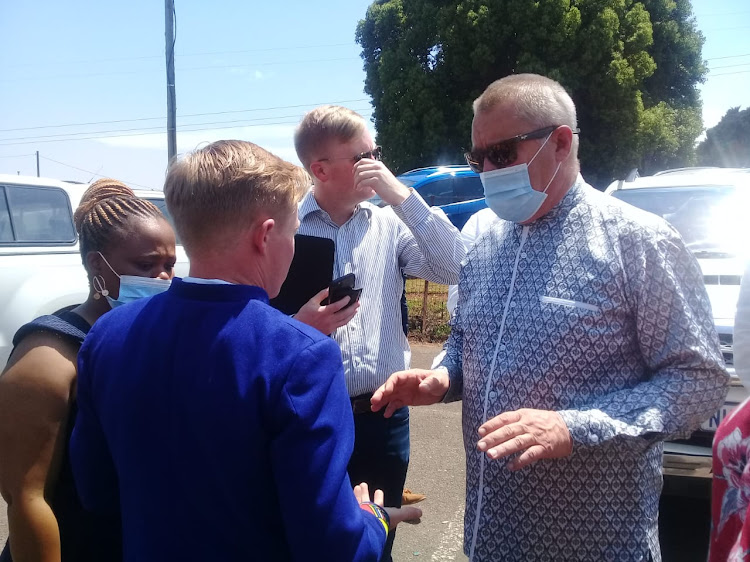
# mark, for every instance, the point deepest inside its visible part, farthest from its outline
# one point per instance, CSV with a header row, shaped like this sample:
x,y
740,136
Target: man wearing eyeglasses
x,y
375,244
583,337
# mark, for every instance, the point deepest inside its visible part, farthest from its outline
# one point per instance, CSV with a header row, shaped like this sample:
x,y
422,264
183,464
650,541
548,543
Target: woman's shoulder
x,y
65,324
50,341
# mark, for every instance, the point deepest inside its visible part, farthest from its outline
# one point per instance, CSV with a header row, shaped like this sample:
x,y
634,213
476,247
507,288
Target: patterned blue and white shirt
x,y
376,244
598,311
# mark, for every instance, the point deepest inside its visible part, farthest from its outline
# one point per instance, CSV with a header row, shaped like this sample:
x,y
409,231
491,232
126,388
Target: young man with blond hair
x,y
218,426
375,244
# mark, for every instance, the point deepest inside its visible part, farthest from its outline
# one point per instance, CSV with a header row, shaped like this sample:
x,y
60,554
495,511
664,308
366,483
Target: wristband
x,y
378,512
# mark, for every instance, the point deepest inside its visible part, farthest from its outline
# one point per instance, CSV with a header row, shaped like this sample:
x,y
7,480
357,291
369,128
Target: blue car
x,y
455,189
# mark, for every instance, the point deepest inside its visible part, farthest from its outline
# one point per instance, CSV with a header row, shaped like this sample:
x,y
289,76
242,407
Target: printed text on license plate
x,y
713,422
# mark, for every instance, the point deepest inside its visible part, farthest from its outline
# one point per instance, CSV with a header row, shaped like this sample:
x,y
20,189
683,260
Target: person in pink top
x,y
730,498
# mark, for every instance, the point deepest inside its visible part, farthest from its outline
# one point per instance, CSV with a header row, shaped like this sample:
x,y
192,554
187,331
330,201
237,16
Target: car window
x,y
711,219
162,205
467,188
37,214
439,192
408,182
6,231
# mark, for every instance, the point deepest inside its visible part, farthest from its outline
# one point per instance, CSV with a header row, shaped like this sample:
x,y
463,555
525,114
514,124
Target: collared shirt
x,y
202,281
597,311
376,245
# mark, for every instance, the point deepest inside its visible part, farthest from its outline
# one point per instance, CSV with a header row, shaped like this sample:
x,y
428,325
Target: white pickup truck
x,y
40,265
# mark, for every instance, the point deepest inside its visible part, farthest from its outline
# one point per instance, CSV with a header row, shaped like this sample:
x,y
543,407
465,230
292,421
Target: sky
x,y
83,82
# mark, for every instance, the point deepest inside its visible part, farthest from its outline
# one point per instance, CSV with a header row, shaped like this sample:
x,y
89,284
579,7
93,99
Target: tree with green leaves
x,y
632,69
728,143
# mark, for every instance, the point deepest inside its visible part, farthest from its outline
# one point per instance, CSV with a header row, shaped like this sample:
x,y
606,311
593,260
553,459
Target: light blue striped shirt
x,y
376,244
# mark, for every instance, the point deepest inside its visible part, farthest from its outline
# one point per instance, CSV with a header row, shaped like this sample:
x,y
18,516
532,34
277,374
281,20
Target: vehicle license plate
x,y
713,422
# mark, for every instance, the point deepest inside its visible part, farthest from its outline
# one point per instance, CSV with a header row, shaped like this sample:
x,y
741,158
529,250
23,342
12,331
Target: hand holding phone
x,y
343,287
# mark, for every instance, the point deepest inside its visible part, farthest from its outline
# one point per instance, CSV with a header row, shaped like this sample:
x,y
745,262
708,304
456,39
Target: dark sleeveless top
x,y
84,537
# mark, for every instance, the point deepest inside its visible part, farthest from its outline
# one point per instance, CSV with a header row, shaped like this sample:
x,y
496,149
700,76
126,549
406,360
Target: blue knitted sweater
x,y
221,429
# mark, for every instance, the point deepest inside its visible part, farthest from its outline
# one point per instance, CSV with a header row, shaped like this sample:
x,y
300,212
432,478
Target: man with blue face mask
x,y
583,337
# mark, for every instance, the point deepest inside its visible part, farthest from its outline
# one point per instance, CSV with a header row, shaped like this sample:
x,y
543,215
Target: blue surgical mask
x,y
133,288
508,191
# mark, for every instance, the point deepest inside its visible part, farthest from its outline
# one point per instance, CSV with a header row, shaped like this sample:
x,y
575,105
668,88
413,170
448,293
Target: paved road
x,y
437,469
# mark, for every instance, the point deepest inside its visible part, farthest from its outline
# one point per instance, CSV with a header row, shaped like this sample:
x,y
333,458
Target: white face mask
x,y
133,288
508,191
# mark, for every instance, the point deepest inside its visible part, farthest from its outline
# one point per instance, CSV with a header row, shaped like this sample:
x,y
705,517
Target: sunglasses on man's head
x,y
502,154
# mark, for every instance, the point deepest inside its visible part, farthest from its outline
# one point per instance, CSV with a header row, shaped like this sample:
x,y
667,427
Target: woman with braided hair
x,y
124,241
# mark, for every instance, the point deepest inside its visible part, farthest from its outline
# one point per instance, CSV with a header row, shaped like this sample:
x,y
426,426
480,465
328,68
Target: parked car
x,y
455,189
40,265
710,208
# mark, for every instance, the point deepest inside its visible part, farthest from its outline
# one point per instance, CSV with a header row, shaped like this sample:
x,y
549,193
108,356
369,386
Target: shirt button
x,y
523,254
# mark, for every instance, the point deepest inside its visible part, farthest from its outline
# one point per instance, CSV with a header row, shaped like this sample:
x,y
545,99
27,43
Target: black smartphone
x,y
343,287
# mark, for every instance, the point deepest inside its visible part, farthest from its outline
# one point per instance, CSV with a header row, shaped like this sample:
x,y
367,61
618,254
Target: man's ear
x,y
319,170
260,233
563,139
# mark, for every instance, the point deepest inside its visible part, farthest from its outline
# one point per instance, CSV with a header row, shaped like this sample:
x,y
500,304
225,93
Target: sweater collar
x,y
217,292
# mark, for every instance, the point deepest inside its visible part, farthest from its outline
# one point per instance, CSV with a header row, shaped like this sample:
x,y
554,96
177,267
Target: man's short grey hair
x,y
537,100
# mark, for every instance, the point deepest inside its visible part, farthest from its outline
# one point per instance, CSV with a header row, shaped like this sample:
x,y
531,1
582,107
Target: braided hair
x,y
104,212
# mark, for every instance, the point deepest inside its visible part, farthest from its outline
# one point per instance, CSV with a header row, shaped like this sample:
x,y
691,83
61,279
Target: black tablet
x,y
311,272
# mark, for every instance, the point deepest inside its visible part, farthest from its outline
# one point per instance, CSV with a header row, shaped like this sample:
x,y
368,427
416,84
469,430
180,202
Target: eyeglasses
x,y
374,154
504,153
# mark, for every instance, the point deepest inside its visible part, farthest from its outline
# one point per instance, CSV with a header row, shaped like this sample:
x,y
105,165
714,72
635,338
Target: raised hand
x,y
415,387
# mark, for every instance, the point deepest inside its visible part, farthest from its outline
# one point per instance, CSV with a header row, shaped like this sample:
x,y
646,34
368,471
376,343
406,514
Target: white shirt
x,y
376,245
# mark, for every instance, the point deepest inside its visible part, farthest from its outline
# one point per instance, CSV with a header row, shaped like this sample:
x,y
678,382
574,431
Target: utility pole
x,y
37,163
171,96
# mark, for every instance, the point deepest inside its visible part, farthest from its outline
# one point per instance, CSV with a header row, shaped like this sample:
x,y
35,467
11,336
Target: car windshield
x,y
711,219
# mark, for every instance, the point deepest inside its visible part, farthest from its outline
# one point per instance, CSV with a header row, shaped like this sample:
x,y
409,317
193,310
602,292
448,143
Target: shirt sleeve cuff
x,y
413,210
456,388
580,427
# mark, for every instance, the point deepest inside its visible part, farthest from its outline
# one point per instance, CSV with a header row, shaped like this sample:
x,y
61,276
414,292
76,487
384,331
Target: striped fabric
x,y
376,244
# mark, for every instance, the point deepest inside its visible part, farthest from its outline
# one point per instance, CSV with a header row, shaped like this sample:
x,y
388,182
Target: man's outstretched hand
x,y
415,387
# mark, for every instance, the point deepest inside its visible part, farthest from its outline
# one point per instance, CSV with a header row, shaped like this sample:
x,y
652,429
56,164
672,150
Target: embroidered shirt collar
x,y
570,200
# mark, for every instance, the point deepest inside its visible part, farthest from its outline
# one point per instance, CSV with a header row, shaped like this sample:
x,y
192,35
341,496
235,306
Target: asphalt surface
x,y
436,469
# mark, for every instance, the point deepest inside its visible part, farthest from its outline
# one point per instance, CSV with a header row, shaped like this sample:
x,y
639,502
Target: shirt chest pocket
x,y
572,326
567,303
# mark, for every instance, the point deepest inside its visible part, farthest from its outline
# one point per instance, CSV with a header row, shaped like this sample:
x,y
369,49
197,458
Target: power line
x,y
730,65
728,73
363,113
181,116
93,173
187,69
17,155
730,57
154,128
178,55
